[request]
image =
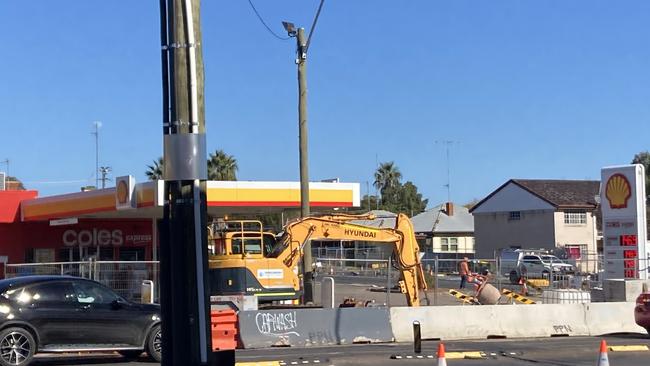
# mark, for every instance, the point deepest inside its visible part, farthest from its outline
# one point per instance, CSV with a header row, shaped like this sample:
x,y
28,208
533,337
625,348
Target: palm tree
x,y
222,166
387,176
155,171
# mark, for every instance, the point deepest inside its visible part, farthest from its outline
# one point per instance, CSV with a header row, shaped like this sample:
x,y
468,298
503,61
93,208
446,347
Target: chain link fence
x,y
367,278
125,277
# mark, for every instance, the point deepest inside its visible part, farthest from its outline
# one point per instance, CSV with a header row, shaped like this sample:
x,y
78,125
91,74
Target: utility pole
x,y
104,170
97,124
302,46
301,59
186,335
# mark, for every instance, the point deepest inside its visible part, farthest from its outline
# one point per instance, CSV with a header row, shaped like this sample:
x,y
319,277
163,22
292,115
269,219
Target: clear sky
x,y
526,89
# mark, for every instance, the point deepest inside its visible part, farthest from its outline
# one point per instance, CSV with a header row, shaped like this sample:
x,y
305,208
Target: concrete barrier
x,y
480,322
514,321
310,327
611,317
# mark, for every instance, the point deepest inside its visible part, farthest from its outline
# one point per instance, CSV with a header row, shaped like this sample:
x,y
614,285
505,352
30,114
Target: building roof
x,y
436,220
383,219
559,193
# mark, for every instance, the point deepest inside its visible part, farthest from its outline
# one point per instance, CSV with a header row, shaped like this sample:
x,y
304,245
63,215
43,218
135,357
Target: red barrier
x,y
224,330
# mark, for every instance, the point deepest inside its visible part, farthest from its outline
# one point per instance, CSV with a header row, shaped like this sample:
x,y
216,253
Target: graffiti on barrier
x,y
562,329
277,324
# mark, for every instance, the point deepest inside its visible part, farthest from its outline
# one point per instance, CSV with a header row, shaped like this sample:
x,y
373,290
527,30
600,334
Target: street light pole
x,y
301,60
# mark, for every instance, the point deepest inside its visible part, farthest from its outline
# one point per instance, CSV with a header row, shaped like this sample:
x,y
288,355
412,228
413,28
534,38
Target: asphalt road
x,y
564,351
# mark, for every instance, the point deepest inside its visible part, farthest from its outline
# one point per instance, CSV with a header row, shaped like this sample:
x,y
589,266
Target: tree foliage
x,y
387,176
155,171
395,196
643,158
222,166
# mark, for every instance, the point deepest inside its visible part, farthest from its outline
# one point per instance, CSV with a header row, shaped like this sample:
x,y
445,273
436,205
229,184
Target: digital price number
x,y
629,255
628,240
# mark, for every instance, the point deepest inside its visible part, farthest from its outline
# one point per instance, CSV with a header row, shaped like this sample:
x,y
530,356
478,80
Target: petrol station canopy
x,y
146,200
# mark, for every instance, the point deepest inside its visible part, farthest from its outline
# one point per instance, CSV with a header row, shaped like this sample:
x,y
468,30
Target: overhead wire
x,y
264,23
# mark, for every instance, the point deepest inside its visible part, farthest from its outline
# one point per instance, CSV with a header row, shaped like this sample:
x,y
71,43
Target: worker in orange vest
x,y
464,272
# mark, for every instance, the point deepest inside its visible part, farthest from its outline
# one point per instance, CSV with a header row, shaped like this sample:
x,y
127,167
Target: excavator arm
x,y
340,227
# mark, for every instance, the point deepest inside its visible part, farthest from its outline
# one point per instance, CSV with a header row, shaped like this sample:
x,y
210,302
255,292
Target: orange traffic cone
x,y
441,355
602,358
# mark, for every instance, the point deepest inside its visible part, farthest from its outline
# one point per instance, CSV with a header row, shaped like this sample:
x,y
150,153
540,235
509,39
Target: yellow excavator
x,y
246,260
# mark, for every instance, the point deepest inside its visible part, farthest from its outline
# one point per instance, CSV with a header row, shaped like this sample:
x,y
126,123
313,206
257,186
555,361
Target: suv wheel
x,y
154,343
17,347
514,277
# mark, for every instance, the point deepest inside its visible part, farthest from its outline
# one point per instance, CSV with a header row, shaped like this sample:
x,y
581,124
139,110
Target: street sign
x,y
622,198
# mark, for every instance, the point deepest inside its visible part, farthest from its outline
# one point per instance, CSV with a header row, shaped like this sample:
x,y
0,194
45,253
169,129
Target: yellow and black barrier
x,y
521,298
537,284
464,298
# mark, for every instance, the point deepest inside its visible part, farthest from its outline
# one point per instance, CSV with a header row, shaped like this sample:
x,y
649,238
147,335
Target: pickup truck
x,y
534,265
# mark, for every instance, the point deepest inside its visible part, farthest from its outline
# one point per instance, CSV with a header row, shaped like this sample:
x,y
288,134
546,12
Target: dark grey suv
x,y
71,314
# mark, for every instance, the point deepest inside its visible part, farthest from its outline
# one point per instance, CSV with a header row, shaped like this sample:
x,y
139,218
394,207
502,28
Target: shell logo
x,y
122,192
618,191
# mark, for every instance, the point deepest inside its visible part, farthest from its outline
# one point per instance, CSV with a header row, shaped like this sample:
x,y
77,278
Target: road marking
x,y
259,363
629,348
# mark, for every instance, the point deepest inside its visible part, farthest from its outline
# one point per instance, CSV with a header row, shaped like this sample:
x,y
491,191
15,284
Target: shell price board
x,y
622,200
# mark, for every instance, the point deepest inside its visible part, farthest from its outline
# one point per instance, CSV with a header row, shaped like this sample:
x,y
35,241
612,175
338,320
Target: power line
x,y
264,23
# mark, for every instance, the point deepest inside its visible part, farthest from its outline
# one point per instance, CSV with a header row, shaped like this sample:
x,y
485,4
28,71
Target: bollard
x,y
417,337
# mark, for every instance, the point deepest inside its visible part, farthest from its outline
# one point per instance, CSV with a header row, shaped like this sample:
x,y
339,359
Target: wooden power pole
x,y
186,332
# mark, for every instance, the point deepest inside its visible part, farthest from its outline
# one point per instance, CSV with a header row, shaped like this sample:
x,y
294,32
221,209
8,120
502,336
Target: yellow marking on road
x,y
258,363
629,348
463,355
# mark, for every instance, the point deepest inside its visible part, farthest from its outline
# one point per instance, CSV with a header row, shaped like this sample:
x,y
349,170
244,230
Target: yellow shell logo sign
x,y
122,192
618,191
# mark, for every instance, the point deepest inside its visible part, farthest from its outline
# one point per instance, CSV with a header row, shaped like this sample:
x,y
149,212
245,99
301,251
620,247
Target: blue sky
x,y
527,89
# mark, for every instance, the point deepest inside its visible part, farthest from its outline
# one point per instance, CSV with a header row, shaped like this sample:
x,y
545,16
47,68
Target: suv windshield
x,y
551,259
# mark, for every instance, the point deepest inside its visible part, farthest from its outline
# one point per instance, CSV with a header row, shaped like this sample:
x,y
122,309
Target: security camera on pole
x,y
301,61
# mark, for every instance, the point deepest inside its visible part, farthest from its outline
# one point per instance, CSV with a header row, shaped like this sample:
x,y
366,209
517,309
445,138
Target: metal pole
x,y
388,284
183,253
417,337
435,281
301,59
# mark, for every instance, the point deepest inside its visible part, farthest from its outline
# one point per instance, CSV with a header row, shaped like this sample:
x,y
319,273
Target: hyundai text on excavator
x,y
246,260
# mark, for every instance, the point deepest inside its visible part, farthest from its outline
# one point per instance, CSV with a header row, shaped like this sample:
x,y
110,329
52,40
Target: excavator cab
x,y
239,262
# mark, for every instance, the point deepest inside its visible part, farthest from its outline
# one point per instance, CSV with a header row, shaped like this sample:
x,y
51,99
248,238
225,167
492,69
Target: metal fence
x,y
125,277
376,278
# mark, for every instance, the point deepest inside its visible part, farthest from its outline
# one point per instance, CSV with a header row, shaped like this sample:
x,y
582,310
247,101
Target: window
x,y
91,293
575,251
50,292
444,245
453,244
575,217
514,215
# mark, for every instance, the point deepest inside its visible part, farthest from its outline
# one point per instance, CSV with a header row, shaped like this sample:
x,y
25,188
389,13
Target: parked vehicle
x,y
533,264
642,311
43,314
